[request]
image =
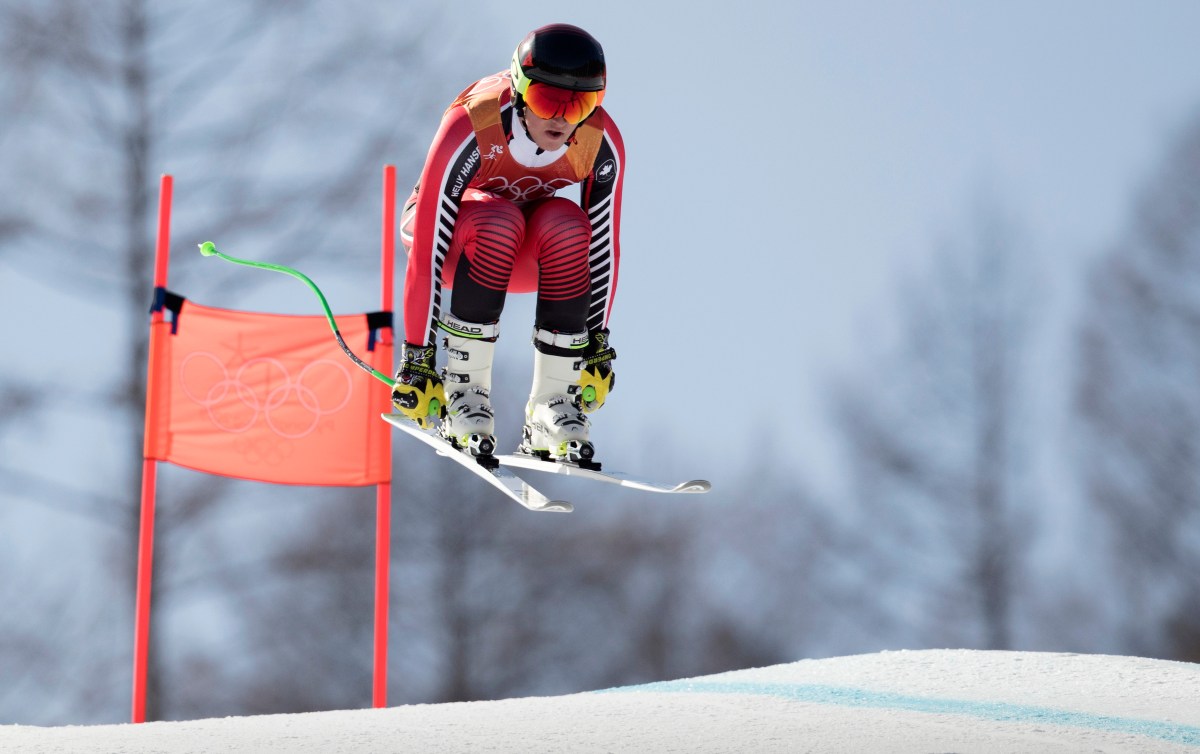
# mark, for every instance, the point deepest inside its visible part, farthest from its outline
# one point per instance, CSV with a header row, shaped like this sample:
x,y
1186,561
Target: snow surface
x,y
920,701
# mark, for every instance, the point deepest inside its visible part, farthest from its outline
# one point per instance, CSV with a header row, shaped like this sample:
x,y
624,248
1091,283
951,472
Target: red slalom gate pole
x,y
383,492
145,566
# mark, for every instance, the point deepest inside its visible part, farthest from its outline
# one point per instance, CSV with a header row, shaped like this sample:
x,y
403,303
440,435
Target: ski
x,y
499,477
525,461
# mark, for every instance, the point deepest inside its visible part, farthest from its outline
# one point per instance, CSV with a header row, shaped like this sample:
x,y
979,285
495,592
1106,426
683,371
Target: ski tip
x,y
558,506
696,485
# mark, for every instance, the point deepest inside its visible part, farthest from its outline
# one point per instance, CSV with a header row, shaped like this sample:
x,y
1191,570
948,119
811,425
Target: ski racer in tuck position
x,y
484,221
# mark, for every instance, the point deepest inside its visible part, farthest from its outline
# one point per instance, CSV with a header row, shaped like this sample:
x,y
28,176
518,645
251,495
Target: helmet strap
x,y
518,101
519,112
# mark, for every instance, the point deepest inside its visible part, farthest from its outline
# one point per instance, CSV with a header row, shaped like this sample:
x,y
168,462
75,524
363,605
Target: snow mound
x,y
920,701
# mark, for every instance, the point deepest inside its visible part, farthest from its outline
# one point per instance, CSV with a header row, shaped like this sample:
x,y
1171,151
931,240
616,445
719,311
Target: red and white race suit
x,y
484,219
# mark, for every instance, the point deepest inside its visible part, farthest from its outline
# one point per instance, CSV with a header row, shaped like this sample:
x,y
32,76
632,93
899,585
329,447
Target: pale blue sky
x,y
787,162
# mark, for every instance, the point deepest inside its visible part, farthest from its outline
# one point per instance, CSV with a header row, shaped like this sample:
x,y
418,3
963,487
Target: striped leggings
x,y
499,247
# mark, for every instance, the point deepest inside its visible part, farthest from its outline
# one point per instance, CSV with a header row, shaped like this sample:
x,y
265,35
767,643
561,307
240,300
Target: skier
x,y
484,220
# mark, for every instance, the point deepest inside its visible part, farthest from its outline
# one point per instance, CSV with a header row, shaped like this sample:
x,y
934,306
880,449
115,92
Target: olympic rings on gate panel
x,y
290,408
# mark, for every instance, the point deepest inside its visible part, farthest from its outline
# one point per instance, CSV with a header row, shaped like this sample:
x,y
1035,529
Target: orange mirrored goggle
x,y
549,102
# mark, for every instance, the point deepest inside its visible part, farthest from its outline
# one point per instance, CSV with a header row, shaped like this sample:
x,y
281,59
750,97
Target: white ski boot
x,y
555,426
469,423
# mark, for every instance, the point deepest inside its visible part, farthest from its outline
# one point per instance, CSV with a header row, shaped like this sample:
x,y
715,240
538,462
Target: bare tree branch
x,y
935,444
1138,410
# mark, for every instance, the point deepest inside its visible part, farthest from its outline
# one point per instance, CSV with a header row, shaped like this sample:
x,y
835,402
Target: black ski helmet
x,y
561,55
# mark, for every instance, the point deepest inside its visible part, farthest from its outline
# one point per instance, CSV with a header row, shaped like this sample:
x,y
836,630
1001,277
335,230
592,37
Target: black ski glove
x,y
418,392
596,378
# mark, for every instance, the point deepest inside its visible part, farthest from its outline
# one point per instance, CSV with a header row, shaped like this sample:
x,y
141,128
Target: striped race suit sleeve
x,y
452,161
600,196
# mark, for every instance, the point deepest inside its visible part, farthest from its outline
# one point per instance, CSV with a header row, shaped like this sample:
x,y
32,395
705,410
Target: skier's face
x,y
547,134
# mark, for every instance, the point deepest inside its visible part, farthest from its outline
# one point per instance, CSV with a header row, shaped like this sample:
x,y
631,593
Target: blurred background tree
x,y
243,103
1138,407
938,445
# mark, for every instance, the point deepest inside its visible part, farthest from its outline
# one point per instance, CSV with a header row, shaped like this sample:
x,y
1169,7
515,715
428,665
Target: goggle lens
x,y
549,102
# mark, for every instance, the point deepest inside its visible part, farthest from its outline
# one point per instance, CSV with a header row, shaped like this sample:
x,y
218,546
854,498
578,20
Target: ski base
x,y
525,461
502,479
